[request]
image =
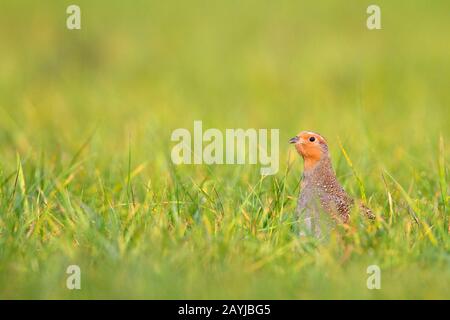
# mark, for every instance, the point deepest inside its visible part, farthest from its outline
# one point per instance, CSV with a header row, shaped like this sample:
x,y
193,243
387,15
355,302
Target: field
x,y
86,176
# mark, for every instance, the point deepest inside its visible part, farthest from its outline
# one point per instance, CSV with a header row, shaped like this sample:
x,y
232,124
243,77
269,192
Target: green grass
x,y
85,170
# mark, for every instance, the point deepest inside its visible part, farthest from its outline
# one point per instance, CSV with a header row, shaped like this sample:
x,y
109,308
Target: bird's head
x,y
311,146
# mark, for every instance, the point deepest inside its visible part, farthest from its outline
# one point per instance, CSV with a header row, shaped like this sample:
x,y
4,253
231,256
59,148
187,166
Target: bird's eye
x,y
312,139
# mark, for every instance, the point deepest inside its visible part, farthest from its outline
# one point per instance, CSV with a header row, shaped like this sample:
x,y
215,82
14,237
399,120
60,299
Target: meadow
x,y
85,171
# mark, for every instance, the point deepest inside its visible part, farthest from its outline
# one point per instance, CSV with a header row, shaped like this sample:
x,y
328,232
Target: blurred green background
x,y
85,123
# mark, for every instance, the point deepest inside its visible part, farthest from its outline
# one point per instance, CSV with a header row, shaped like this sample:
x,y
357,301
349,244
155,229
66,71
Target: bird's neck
x,y
318,170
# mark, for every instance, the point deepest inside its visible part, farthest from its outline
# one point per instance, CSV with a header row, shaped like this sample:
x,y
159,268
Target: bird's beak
x,y
293,140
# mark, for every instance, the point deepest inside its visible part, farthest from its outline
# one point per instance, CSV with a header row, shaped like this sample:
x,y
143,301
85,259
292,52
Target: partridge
x,y
321,196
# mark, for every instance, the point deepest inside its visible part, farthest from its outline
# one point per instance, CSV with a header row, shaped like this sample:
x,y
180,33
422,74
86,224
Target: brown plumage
x,y
320,192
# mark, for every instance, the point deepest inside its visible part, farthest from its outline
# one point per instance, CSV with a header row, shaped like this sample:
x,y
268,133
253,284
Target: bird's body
x,y
321,196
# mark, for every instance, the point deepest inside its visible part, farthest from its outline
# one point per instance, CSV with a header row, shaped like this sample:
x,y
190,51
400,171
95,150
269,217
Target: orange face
x,y
311,146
